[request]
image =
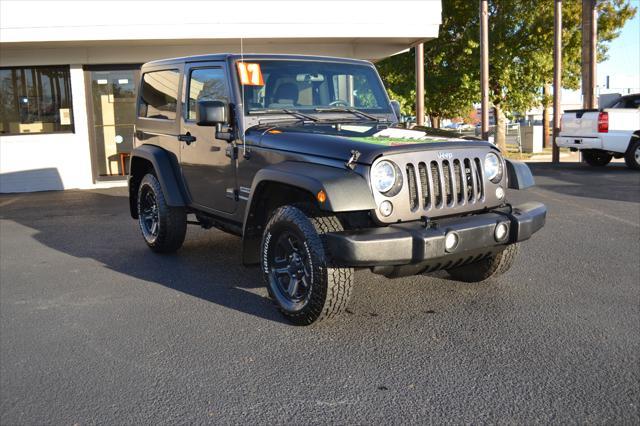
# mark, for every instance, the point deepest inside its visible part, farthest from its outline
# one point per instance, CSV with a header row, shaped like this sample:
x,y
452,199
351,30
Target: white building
x,y
69,69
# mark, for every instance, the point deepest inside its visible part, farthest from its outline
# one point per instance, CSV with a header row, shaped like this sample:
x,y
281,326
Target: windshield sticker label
x,y
250,74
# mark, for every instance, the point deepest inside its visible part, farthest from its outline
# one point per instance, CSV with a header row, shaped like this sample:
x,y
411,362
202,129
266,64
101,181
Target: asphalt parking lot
x,y
95,328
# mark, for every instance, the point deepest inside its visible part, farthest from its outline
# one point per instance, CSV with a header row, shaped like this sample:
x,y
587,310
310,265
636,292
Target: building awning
x,y
98,31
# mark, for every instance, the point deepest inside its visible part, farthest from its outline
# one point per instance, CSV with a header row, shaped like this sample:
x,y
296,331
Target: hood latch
x,y
351,163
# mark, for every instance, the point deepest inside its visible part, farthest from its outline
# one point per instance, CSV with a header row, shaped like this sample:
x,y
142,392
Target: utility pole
x,y
419,84
557,76
484,68
546,91
589,53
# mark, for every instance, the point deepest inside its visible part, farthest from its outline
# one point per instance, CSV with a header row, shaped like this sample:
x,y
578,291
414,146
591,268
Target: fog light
x,y
386,208
451,241
501,231
499,193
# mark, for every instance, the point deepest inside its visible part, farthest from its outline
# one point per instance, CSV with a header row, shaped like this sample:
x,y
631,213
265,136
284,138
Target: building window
x,y
35,100
159,94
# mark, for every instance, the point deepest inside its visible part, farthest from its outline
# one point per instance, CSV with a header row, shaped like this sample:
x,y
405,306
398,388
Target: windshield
x,y
271,86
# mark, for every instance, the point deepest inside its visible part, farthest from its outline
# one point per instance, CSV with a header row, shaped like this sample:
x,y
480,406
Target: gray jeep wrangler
x,y
302,158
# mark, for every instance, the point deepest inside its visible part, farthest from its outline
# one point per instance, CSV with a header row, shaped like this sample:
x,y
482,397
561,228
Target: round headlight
x,y
383,176
493,167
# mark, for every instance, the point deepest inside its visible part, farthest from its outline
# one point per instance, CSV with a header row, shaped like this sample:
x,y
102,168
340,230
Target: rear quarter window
x,y
159,95
627,102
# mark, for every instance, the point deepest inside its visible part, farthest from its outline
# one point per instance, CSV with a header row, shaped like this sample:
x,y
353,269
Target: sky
x,y
623,65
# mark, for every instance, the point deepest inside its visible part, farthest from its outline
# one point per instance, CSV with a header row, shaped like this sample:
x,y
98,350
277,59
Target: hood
x,y
338,140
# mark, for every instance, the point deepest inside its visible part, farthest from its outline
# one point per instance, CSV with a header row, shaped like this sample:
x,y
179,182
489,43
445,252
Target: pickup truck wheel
x,y
163,227
491,267
297,268
632,156
596,158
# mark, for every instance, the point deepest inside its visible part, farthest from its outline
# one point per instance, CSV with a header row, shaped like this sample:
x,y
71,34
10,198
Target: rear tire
x,y
632,156
297,267
596,158
491,267
163,227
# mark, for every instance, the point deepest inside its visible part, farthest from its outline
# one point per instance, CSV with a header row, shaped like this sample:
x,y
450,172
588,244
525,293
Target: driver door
x,y
210,175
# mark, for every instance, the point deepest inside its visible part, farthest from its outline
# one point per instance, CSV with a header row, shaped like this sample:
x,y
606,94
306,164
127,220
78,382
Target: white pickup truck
x,y
610,132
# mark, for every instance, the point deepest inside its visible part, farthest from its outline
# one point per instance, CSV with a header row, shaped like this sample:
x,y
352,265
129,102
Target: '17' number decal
x,y
250,74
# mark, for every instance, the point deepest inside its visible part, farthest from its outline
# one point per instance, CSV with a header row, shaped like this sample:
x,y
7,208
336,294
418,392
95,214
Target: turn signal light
x,y
603,122
321,196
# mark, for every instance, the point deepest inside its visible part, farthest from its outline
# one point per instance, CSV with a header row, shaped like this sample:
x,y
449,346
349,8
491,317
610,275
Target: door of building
x,y
111,92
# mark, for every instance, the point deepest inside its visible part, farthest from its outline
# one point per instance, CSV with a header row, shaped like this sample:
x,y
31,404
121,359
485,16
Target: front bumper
x,y
413,243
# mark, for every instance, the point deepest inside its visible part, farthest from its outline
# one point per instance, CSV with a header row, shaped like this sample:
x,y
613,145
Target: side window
x,y
159,94
206,84
628,102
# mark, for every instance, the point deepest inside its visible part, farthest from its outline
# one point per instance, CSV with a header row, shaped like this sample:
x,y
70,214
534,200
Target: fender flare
x,y
345,191
167,171
519,175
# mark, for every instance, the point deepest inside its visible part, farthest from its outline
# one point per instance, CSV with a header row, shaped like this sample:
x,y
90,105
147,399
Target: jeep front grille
x,y
444,184
413,191
439,181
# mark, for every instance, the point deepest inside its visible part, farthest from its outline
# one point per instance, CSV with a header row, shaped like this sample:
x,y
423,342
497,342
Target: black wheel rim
x,y
290,271
149,220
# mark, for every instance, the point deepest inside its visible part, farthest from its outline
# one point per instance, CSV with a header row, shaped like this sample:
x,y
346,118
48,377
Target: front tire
x,y
297,267
491,267
596,158
163,227
632,156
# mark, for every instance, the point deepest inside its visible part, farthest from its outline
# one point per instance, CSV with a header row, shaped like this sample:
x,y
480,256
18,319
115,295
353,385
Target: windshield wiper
x,y
351,110
283,111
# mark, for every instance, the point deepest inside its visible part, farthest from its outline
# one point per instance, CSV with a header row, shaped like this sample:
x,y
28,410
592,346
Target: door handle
x,y
187,138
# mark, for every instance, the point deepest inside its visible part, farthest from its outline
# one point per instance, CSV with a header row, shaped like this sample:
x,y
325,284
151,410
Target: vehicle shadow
x,y
614,182
90,224
31,180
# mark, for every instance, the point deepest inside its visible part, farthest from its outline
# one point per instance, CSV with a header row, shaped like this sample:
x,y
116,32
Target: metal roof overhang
x,y
112,32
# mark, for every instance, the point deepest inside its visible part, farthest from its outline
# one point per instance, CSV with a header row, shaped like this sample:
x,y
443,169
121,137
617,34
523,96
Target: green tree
x,y
451,83
520,55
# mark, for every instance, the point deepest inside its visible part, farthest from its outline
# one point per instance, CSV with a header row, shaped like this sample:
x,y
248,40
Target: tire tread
x,y
339,280
491,267
630,155
173,227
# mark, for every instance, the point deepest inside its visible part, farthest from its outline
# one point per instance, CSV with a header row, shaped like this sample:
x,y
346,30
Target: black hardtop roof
x,y
249,56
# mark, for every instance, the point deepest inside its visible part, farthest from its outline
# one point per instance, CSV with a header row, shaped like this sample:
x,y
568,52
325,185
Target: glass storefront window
x,y
112,103
35,100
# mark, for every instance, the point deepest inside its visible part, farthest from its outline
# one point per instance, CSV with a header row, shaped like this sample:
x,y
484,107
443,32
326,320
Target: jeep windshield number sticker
x,y
250,74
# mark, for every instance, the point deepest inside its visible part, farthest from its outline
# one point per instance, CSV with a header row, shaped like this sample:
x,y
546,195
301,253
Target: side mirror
x,y
395,106
212,113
